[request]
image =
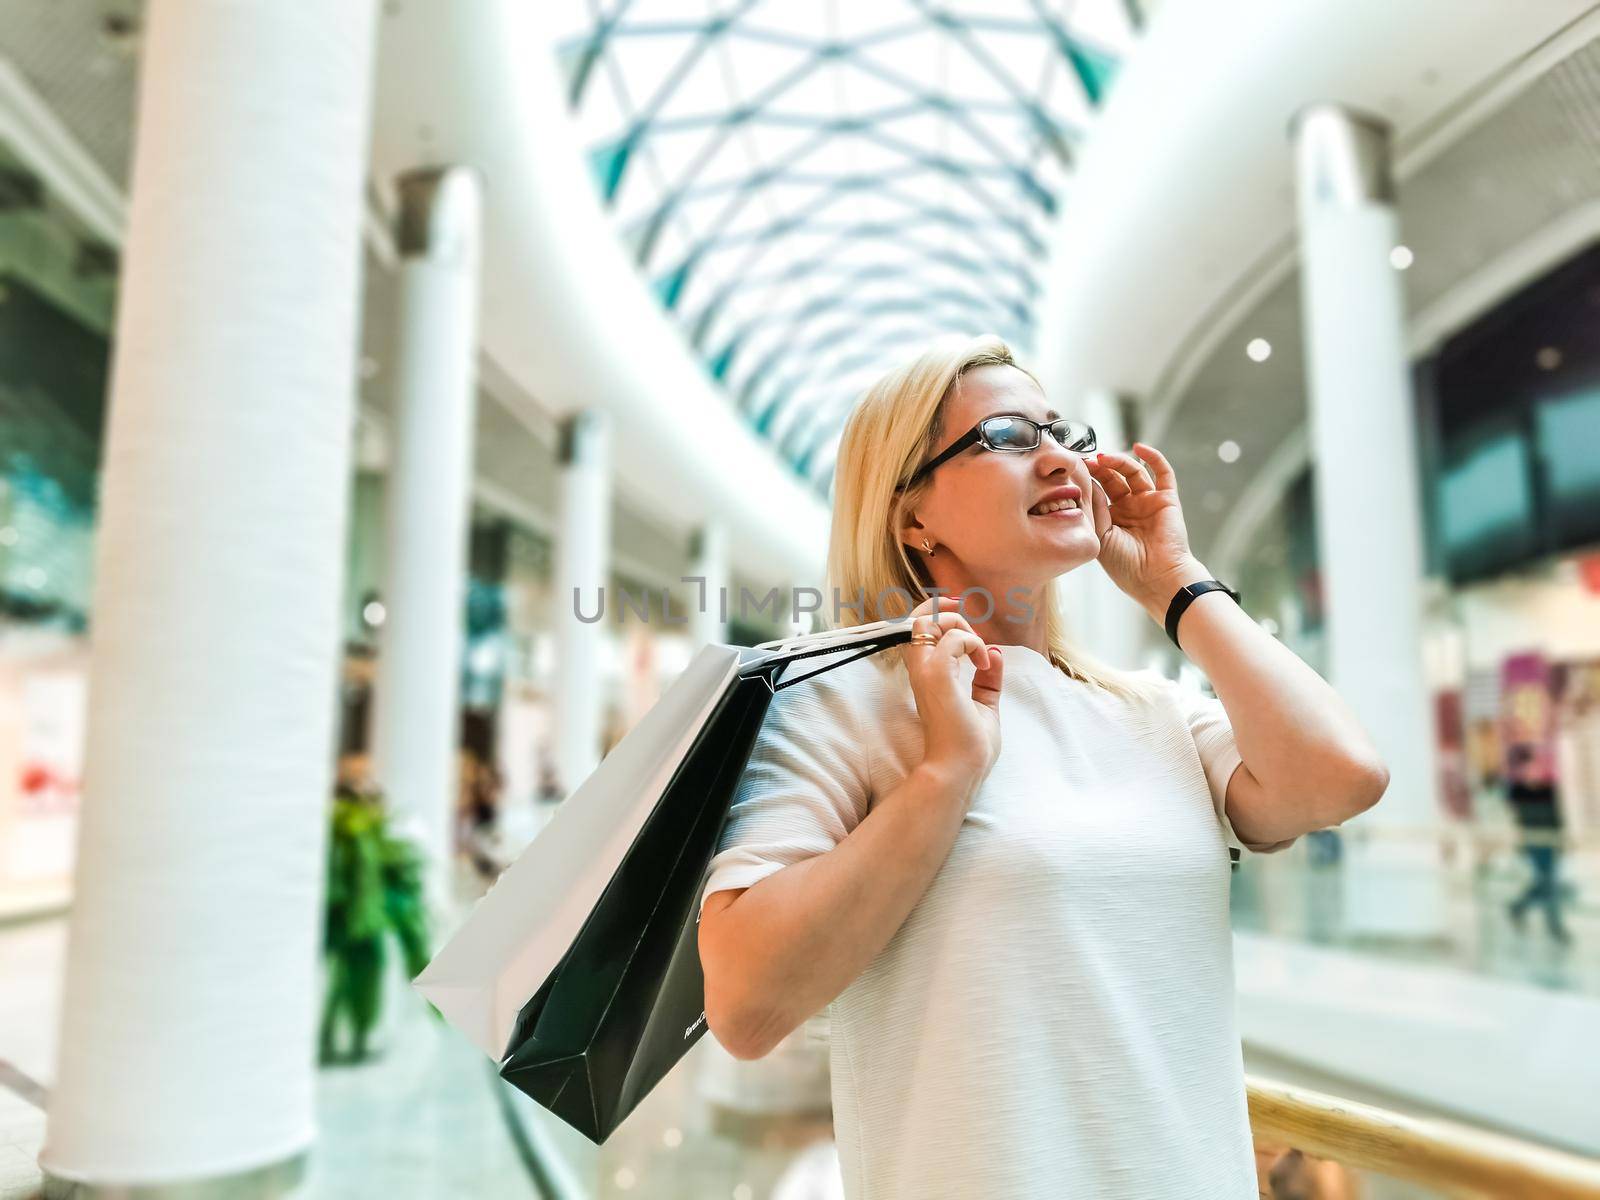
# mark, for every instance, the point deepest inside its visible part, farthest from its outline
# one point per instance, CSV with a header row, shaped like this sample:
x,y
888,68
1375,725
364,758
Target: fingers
x,y
949,616
940,623
957,638
1127,469
1166,478
954,640
986,681
933,604
1118,471
958,643
1111,483
936,620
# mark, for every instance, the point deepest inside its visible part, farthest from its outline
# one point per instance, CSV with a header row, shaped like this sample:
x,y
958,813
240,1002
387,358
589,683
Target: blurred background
x,y
340,343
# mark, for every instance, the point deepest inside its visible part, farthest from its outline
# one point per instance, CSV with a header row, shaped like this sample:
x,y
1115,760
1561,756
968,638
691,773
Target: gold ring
x,y
925,639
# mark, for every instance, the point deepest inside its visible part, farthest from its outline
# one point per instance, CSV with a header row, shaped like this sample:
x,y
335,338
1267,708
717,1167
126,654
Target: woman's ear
x,y
912,531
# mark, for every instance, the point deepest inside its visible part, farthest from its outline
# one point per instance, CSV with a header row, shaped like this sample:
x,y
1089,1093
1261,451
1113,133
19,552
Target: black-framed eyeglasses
x,y
1011,435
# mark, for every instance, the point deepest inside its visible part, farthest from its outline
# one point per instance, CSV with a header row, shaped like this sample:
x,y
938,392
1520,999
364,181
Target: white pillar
x,y
415,704
1369,522
189,1015
1109,624
582,567
708,561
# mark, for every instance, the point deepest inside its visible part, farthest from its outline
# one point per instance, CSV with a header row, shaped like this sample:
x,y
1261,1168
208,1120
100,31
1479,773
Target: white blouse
x,y
1055,1018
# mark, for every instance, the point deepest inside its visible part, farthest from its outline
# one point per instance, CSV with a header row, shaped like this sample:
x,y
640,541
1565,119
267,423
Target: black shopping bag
x,y
624,999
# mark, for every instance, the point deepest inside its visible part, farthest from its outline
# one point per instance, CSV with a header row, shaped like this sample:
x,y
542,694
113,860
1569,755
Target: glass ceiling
x,y
815,187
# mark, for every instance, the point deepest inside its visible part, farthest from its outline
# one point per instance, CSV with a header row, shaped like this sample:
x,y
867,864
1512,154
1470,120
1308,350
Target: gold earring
x,y
927,547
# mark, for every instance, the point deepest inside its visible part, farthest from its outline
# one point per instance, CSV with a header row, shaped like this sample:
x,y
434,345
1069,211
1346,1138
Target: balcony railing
x,y
1452,1159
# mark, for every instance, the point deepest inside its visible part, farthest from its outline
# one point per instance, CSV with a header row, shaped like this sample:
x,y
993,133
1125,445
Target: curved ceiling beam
x,y
842,323
973,226
735,343
936,261
864,299
994,164
966,176
897,233
768,417
866,125
1186,179
1468,300
931,262
564,312
940,319
927,321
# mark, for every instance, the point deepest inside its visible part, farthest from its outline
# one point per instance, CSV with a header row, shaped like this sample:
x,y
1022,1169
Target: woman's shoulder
x,y
845,673
838,688
1139,690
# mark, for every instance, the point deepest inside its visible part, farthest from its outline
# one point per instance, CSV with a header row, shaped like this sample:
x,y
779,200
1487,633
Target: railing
x,y
1453,1159
1299,895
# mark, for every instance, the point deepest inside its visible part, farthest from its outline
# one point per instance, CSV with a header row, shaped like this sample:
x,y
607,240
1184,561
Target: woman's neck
x,y
1012,612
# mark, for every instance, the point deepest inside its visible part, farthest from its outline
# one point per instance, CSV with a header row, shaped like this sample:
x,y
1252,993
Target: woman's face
x,y
980,508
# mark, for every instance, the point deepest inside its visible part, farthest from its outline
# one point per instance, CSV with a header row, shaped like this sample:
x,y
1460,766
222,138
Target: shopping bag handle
x,y
891,633
849,635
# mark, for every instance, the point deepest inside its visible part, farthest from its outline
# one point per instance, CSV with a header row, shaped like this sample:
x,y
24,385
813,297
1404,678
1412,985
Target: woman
x,y
1001,866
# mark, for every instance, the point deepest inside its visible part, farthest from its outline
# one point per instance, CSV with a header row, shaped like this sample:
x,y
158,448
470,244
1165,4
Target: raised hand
x,y
1144,544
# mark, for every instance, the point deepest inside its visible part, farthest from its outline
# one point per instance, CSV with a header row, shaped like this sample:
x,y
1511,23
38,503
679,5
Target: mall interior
x,y
342,344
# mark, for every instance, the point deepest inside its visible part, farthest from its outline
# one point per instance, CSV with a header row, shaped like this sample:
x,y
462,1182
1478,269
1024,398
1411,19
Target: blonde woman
x,y
1001,866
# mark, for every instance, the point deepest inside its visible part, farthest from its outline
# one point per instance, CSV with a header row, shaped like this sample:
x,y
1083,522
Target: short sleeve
x,y
805,788
1219,757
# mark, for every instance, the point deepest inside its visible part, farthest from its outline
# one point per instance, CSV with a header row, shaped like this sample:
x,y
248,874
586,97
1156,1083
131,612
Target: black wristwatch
x,y
1185,597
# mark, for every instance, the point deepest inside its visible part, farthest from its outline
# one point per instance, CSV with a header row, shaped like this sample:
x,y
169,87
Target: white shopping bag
x,y
518,932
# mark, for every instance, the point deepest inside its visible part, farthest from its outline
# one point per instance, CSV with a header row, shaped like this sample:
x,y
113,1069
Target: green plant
x,y
375,890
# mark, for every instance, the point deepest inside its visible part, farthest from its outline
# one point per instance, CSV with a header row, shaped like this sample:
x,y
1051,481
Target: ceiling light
x,y
1259,349
1401,257
1229,451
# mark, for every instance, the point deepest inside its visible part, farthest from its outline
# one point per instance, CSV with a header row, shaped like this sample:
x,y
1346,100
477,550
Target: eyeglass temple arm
x,y
956,447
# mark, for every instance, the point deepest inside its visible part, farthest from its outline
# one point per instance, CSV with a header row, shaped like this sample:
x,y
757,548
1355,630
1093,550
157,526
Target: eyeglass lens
x,y
1014,433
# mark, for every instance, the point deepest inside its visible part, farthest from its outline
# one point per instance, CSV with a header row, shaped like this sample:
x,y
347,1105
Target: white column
x,y
582,567
1369,522
189,1014
1112,625
708,560
415,704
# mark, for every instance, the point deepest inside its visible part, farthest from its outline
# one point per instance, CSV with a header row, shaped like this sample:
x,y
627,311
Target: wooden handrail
x,y
1433,1153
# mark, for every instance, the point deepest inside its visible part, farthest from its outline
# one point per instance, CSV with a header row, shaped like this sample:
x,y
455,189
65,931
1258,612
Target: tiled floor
x,y
420,1120
425,1118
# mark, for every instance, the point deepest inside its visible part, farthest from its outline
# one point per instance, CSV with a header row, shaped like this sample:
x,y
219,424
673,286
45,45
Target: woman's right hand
x,y
960,729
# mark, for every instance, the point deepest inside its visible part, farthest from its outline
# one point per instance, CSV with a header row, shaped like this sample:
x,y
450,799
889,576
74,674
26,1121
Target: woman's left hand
x,y
1144,545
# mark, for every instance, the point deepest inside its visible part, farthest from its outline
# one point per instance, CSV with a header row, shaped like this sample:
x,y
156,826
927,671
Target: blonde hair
x,y
896,425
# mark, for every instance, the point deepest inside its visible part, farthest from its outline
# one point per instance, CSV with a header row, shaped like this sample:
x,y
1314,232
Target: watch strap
x,y
1186,596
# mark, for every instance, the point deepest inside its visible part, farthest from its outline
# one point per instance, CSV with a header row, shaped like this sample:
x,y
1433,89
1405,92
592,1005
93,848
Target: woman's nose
x,y
1051,455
